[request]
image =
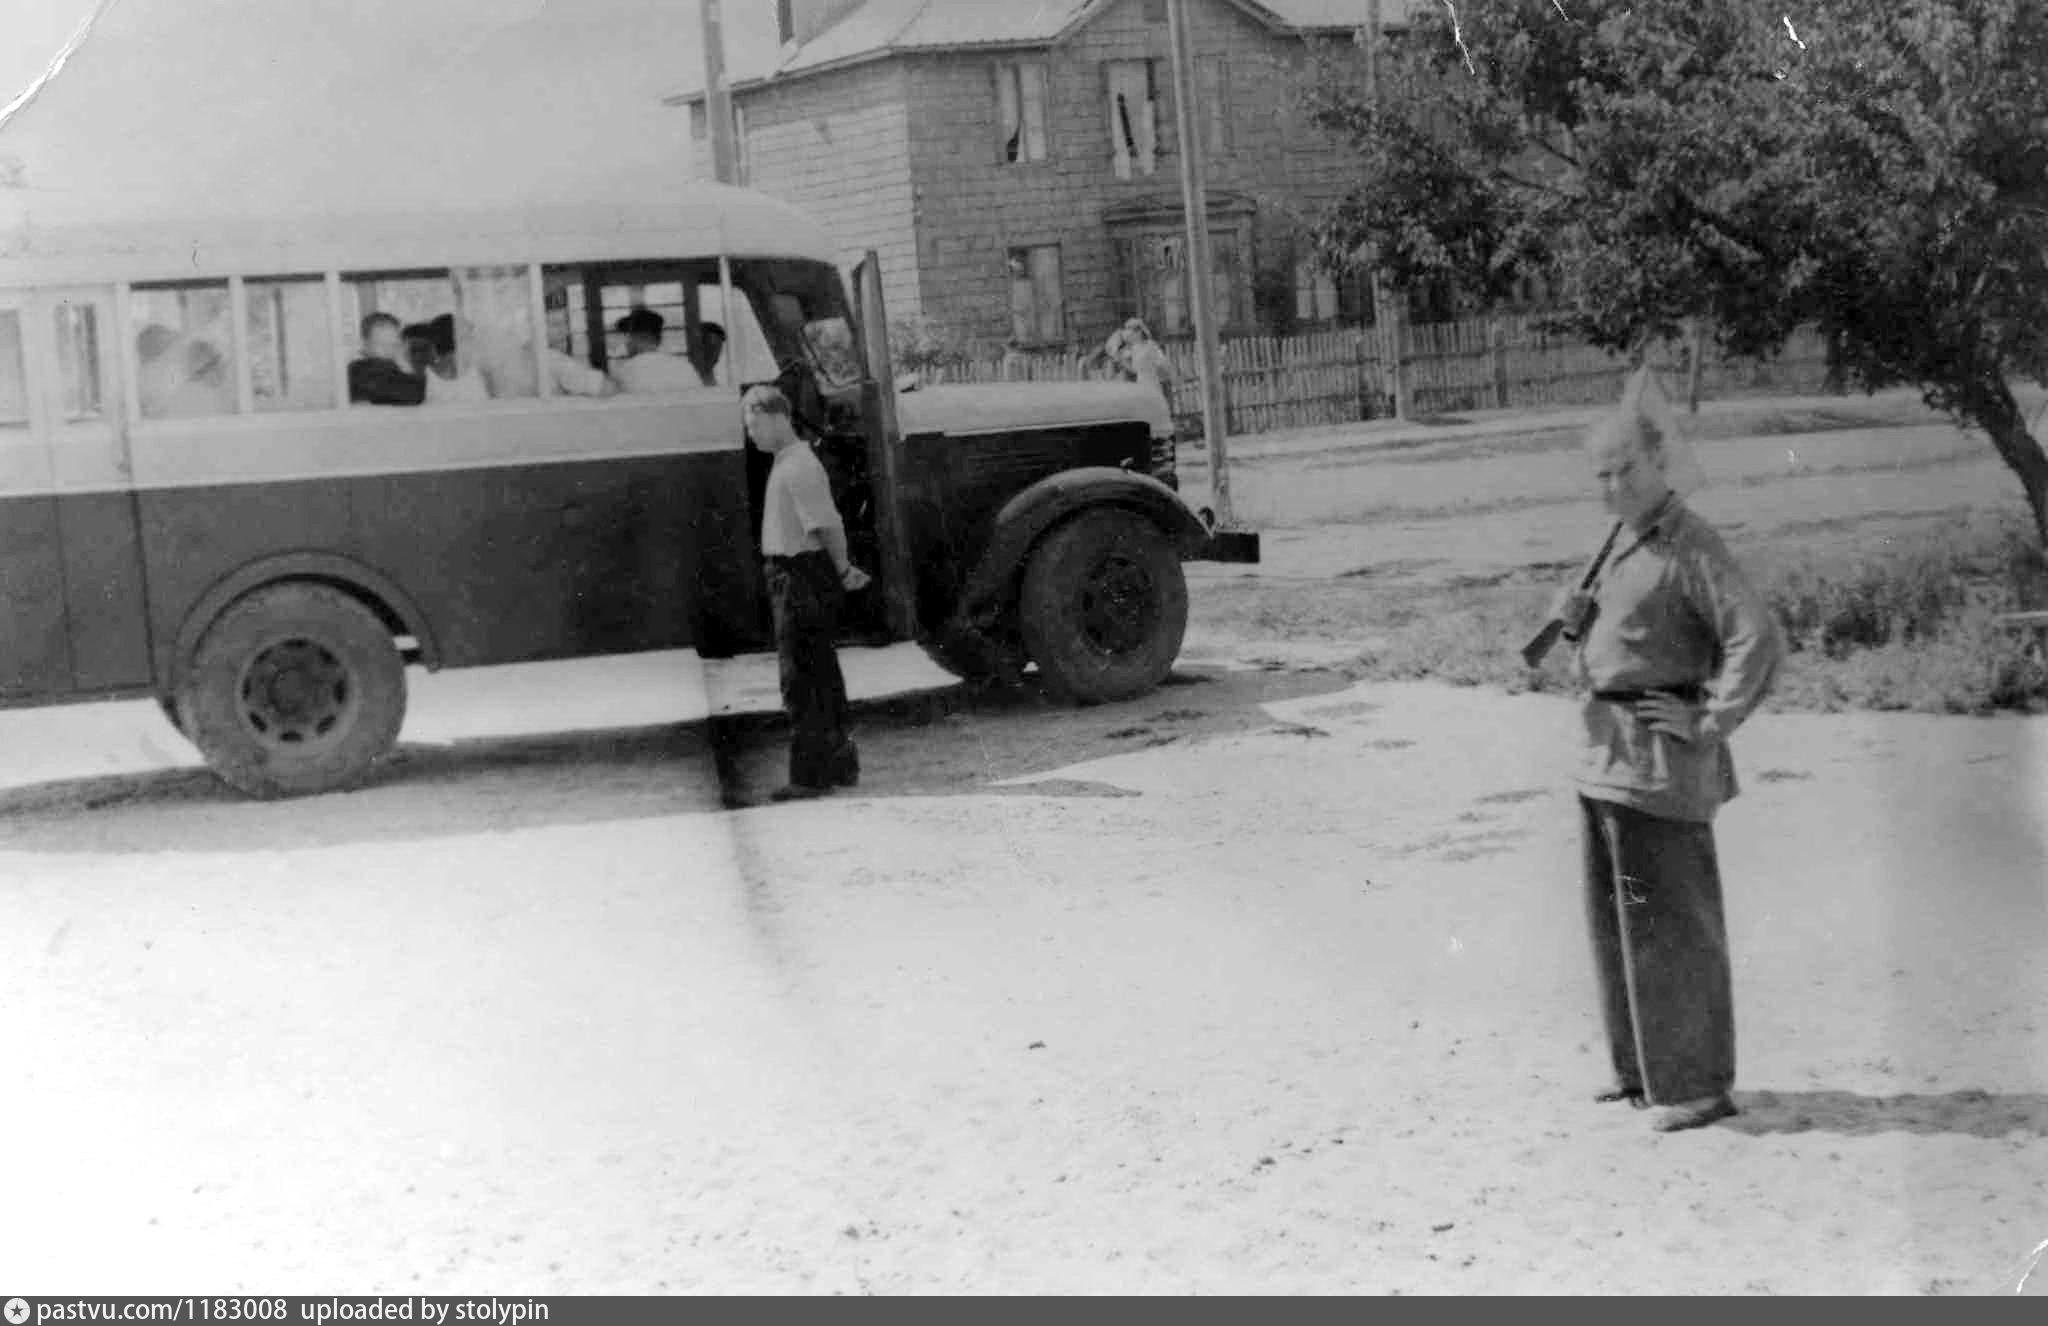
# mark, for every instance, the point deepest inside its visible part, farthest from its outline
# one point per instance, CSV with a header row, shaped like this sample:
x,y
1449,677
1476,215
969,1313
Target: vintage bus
x,y
192,507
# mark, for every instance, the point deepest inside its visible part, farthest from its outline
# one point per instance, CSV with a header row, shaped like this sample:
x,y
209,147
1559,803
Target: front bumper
x,y
1239,546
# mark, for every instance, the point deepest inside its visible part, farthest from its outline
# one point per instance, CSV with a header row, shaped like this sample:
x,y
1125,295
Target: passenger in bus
x,y
419,347
206,389
182,377
646,368
704,351
379,376
157,352
448,382
573,377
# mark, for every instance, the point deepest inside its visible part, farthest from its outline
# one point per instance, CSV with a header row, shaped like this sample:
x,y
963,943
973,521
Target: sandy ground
x,y
1266,983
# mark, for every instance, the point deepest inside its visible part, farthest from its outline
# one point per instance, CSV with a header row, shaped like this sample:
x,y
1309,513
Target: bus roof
x,y
712,219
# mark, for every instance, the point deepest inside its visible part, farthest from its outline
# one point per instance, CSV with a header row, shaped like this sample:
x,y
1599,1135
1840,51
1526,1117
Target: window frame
x,y
1030,279
1009,78
1154,114
18,304
246,287
1130,245
1216,119
231,288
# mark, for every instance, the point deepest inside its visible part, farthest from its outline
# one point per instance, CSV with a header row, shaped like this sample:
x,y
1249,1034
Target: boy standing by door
x,y
803,542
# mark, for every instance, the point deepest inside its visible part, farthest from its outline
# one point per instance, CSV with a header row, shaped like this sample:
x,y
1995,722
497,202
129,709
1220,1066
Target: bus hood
x,y
1018,407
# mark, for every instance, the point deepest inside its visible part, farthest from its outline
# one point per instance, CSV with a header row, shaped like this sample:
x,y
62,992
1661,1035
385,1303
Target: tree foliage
x,y
1877,169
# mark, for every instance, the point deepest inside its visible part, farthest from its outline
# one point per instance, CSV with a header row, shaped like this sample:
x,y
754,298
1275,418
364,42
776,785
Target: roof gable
x,y
878,29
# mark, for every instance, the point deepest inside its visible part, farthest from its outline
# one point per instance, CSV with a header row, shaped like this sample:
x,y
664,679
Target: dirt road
x,y
1266,983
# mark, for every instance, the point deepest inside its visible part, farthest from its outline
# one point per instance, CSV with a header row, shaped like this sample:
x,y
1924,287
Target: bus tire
x,y
294,690
1104,607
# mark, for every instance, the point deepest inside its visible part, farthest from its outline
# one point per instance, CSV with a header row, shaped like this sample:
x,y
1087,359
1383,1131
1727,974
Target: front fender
x,y
343,573
1025,518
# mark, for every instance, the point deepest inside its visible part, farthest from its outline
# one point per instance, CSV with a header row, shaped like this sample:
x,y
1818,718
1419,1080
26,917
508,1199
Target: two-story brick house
x,y
1017,168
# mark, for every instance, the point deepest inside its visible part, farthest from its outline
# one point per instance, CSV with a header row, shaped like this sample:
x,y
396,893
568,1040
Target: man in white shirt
x,y
803,542
573,377
646,368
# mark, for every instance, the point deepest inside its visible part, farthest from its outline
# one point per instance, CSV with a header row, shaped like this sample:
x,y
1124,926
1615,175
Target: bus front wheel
x,y
1104,607
296,689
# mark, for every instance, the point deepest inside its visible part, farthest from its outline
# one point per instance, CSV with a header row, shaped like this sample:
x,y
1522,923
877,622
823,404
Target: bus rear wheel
x,y
296,689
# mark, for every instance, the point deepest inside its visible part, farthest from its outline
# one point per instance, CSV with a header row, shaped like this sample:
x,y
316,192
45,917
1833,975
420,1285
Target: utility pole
x,y
717,95
1195,204
1389,307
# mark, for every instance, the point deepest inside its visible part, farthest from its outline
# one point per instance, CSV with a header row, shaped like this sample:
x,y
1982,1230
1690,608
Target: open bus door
x,y
35,647
100,516
896,576
71,586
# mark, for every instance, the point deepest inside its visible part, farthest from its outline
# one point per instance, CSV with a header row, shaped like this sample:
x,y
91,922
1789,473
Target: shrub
x,y
918,344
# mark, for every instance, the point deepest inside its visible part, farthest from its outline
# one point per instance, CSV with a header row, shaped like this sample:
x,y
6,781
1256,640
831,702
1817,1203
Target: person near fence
x,y
1680,649
1016,365
803,542
1145,359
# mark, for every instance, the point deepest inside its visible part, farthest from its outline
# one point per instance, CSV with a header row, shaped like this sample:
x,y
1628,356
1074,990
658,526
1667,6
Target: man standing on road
x,y
804,543
1680,649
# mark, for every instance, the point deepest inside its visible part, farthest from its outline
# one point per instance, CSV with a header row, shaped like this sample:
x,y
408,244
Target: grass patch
x,y
1874,621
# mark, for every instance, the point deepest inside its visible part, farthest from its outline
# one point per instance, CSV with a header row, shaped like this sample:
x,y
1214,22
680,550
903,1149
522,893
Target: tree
x,y
1878,171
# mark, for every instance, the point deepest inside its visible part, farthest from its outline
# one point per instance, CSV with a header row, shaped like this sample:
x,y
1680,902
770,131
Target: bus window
x,y
291,342
78,360
184,350
664,297
13,372
492,329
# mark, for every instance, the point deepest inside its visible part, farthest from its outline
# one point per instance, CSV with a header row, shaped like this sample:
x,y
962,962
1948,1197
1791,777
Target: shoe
x,y
1614,1095
798,792
1694,1114
848,773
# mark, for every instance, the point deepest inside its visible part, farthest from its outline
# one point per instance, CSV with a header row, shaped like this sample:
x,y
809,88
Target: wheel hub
x,y
1117,606
294,692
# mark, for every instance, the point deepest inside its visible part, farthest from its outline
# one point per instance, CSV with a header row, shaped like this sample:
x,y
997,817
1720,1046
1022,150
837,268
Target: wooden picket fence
x,y
1334,377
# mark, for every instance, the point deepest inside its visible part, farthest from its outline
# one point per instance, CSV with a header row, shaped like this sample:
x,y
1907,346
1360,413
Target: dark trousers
x,y
805,594
1660,948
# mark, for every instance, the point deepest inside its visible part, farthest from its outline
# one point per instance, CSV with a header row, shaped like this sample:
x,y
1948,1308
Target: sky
x,y
199,108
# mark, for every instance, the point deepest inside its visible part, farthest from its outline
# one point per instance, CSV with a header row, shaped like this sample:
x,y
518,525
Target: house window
x,y
1315,293
1225,262
1215,95
1133,116
1020,112
1037,308
1155,11
1154,277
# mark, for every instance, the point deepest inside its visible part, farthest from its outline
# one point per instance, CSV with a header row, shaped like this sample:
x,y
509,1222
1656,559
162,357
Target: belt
x,y
1689,691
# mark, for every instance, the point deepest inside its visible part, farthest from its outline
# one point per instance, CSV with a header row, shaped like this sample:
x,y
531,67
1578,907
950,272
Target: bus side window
x,y
291,343
13,372
467,334
494,329
78,360
184,350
